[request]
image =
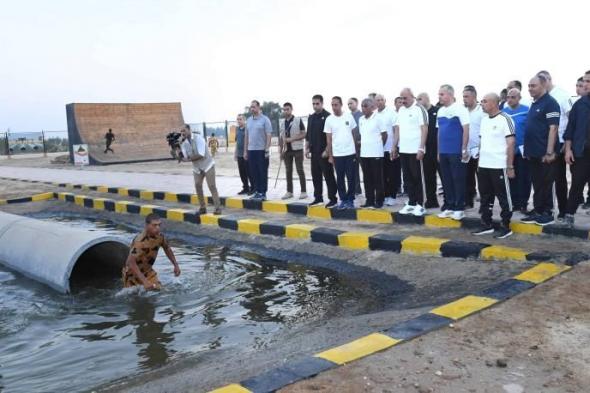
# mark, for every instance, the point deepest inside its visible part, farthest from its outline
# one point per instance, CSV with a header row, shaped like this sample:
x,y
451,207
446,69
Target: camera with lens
x,y
174,140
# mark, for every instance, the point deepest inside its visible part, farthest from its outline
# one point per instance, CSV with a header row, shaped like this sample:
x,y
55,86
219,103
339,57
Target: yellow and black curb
x,y
406,244
439,317
376,216
46,196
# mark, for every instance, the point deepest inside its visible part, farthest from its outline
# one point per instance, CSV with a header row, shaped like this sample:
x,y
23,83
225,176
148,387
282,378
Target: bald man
x,y
409,144
495,167
520,185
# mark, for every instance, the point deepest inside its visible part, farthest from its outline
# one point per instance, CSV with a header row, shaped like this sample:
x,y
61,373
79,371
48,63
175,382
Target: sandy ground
x,y
543,336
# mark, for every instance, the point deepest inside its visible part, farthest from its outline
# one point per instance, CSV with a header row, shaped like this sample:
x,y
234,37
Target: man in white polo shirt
x,y
409,140
342,151
391,168
496,158
373,136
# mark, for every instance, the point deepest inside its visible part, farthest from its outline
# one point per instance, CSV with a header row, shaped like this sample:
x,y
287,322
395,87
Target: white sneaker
x,y
303,195
418,211
445,214
458,215
406,209
388,201
287,195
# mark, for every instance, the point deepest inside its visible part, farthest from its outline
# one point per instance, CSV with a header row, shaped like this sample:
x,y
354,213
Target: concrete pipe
x,y
57,255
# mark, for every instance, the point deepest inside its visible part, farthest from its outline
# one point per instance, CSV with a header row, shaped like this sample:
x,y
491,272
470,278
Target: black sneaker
x,y
331,204
586,205
483,230
503,232
316,202
379,205
203,210
566,222
251,192
544,219
243,192
530,218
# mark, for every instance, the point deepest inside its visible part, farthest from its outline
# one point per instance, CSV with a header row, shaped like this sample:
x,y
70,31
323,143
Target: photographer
x,y
195,151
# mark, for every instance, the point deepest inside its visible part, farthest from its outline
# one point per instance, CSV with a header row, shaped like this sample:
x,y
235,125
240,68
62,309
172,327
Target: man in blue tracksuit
x,y
577,150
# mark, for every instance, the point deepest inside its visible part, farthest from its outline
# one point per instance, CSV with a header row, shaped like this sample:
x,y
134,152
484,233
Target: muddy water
x,y
67,343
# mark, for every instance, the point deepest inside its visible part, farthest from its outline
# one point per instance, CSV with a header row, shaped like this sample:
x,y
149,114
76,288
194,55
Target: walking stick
x,y
423,181
279,171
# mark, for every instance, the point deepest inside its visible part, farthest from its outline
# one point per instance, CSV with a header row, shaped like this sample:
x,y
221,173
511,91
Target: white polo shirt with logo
x,y
410,120
494,131
370,130
341,129
388,118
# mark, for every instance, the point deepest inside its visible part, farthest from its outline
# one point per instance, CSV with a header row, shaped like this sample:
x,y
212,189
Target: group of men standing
x,y
506,145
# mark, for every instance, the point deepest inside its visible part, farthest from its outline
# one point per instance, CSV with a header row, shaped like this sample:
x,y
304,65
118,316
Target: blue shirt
x,y
518,116
258,128
450,120
544,112
240,136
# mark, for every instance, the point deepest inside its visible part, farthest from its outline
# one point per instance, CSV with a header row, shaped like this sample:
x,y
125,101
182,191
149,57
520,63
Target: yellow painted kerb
x,y
233,388
503,253
542,272
358,348
374,216
298,231
250,226
464,306
422,245
354,240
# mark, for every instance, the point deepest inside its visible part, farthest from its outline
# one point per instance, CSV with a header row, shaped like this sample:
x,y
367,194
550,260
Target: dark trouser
x,y
373,179
357,174
391,176
345,168
322,169
430,164
296,155
412,178
471,170
542,176
452,171
244,175
560,183
493,183
520,185
258,168
580,176
108,148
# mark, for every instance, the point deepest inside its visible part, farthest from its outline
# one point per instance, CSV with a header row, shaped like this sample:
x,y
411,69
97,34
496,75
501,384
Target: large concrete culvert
x,y
57,255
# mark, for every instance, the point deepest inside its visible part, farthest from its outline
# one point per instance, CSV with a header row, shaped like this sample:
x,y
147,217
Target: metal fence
x,y
15,143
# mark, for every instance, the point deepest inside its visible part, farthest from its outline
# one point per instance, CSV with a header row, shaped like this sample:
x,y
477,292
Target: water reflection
x,y
150,335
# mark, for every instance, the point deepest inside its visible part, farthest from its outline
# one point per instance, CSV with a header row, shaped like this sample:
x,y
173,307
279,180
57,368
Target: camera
x,y
174,140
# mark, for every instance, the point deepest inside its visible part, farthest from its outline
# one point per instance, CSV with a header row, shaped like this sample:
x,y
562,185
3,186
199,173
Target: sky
x,y
216,56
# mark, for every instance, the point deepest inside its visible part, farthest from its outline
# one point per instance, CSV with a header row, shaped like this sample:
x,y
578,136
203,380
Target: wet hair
x,y
256,102
318,97
337,98
151,217
354,99
288,104
449,89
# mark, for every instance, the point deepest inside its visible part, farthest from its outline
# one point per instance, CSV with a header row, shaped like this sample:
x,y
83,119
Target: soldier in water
x,y
138,269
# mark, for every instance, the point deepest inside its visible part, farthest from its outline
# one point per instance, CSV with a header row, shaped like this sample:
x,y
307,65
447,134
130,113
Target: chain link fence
x,y
16,143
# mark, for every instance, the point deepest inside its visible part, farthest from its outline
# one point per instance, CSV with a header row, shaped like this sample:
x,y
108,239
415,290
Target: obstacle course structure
x,y
140,130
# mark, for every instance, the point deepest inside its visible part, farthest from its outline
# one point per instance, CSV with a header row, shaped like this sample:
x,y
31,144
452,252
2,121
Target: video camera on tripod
x,y
174,140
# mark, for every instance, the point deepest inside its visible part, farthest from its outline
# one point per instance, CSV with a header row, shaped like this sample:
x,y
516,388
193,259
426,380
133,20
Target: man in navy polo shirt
x,y
540,144
577,150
